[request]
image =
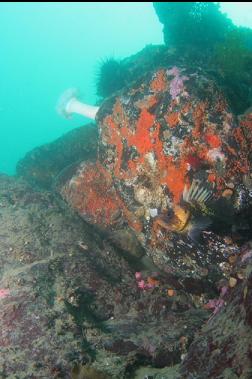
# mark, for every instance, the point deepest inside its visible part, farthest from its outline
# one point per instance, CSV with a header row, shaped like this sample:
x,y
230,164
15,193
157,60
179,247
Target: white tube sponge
x,y
69,104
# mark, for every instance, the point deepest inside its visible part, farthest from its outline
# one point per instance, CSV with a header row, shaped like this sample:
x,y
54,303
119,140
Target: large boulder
x,y
173,168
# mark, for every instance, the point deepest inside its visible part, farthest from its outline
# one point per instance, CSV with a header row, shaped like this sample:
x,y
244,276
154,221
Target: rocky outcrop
x,y
223,347
69,299
43,164
173,168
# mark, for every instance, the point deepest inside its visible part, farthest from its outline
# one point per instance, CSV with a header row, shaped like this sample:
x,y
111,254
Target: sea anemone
x,y
68,104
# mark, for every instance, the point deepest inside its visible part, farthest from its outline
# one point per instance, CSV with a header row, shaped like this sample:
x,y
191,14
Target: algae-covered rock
x,y
223,347
191,25
171,166
86,372
154,373
42,165
68,298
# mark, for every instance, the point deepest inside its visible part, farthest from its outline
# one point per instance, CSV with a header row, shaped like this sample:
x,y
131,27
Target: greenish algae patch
x,y
158,373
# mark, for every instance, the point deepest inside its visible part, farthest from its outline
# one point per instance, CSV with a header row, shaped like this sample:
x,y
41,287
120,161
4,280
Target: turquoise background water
x,y
46,48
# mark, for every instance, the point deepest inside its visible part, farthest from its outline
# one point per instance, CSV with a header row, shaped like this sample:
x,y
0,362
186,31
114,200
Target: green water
x,y
48,47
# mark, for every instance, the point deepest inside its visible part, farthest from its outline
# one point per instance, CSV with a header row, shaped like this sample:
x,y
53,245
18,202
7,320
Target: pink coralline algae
x,y
4,293
138,275
173,71
141,284
145,285
177,83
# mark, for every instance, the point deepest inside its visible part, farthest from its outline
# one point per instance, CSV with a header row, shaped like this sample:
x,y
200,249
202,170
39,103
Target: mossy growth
x,y
87,372
83,315
233,60
232,56
84,312
190,25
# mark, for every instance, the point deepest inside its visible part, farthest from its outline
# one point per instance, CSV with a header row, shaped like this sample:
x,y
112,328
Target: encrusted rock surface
x,y
68,298
223,347
173,167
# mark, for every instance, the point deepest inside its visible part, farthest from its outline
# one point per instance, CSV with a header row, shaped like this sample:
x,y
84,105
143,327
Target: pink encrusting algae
x,y
4,292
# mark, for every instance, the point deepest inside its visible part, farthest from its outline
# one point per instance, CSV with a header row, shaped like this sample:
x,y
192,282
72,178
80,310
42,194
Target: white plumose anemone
x,y
69,104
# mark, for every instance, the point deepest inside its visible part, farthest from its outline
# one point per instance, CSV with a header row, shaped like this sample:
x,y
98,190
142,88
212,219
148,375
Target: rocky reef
x,y
43,164
222,348
171,166
126,247
154,245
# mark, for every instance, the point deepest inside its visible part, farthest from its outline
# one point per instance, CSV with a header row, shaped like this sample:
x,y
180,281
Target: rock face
x,y
68,298
223,347
42,165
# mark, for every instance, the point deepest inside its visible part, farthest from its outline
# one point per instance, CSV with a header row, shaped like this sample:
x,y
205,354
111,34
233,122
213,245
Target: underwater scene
x,y
126,190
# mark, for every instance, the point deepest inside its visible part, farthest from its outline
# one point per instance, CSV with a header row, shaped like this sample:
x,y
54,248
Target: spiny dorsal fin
x,y
197,192
198,225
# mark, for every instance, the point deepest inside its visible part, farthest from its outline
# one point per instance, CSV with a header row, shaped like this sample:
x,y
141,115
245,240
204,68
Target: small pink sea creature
x,y
141,284
177,83
4,293
148,284
138,276
173,71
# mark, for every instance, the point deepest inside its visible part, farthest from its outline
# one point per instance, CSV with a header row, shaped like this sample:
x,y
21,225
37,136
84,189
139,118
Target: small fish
x,y
192,217
183,221
180,218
